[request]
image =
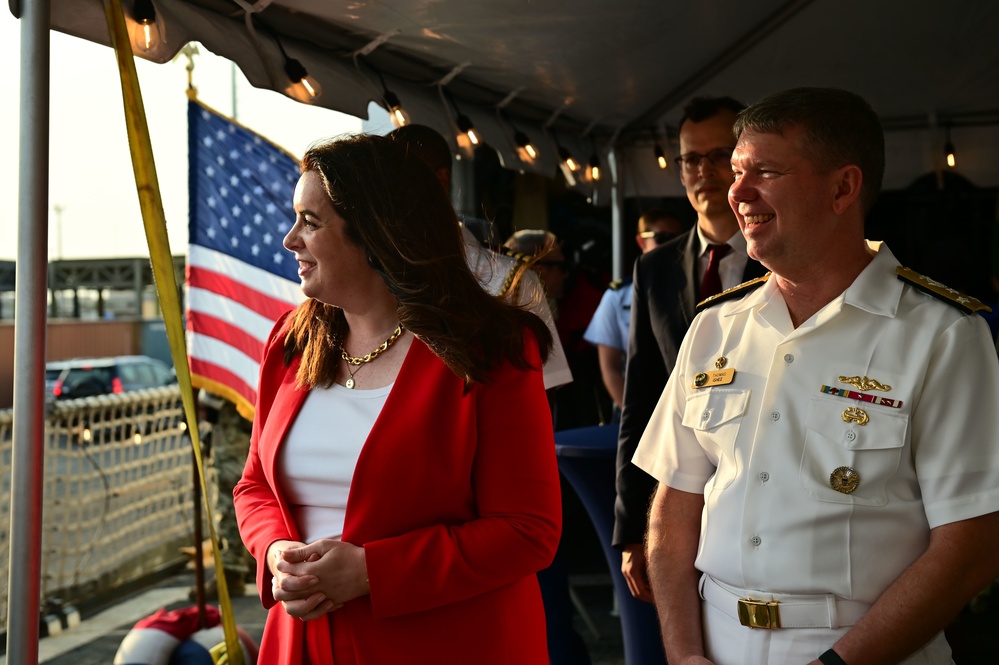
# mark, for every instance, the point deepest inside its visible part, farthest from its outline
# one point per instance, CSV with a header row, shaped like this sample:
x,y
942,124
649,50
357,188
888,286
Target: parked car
x,y
53,370
85,377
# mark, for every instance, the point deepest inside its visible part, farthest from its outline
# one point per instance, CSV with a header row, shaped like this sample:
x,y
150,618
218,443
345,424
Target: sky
x,y
90,170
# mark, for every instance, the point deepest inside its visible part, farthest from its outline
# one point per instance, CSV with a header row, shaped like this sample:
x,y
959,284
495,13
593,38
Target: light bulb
x,y
397,114
301,85
661,157
951,157
524,145
566,158
594,168
147,33
466,128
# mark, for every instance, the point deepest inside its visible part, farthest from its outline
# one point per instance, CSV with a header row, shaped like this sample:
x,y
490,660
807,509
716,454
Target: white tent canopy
x,y
592,70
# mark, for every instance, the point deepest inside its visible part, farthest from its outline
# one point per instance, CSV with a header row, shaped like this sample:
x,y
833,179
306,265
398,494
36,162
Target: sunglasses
x,y
658,236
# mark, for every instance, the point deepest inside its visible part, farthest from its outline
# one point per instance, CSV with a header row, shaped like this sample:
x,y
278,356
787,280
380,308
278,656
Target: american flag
x,y
240,278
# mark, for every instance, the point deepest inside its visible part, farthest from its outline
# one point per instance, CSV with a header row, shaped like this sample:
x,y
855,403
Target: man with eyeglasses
x,y
668,284
608,329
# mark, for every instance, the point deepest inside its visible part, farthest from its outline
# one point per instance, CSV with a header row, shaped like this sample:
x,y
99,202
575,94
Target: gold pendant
x,y
349,383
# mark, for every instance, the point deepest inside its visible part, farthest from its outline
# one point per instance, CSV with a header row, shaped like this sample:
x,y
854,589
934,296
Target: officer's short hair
x,y
840,128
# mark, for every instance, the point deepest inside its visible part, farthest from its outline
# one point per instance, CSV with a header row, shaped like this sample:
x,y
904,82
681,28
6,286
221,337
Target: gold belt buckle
x,y
759,613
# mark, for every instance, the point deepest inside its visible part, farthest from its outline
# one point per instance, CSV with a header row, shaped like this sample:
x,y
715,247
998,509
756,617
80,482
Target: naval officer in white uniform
x,y
826,448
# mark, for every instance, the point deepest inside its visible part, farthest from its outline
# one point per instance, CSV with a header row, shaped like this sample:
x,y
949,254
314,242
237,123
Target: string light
x,y
661,157
466,127
949,151
467,134
298,76
524,144
147,33
658,150
567,159
397,114
301,86
594,167
525,149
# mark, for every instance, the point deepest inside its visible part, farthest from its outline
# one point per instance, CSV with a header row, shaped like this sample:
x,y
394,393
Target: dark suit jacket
x,y
662,308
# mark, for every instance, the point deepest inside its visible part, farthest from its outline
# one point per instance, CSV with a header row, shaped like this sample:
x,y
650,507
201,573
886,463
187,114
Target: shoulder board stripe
x,y
731,294
965,303
523,258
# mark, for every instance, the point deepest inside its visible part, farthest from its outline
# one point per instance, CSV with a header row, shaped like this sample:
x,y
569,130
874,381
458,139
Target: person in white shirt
x,y
499,274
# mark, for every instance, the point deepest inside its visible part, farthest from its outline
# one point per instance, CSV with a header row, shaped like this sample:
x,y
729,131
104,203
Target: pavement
x,y
95,640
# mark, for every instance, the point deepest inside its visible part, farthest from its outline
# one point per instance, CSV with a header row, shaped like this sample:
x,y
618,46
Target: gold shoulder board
x,y
616,284
965,303
523,258
730,294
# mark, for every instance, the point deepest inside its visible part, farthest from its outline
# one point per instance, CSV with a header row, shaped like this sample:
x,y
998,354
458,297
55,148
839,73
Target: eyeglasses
x,y
717,158
658,236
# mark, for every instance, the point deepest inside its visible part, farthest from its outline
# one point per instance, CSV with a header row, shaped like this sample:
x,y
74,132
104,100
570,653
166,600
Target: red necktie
x,y
711,283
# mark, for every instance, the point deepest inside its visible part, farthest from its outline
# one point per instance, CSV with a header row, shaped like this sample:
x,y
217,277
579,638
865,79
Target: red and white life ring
x,y
174,638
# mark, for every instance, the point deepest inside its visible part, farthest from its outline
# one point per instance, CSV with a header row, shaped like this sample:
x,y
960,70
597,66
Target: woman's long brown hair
x,y
395,208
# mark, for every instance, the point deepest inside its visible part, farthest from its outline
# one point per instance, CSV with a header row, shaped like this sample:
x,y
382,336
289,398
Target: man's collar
x,y
737,242
874,290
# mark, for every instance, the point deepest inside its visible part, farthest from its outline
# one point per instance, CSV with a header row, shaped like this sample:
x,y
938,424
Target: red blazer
x,y
455,499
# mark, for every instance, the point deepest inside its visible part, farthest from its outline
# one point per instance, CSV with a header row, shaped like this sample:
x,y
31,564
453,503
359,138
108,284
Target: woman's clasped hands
x,y
311,580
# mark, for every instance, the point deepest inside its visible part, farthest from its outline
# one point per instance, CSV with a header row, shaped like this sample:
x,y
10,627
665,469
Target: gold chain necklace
x,y
381,348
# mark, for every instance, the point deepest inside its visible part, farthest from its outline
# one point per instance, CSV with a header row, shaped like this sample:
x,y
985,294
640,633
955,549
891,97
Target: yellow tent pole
x,y
154,222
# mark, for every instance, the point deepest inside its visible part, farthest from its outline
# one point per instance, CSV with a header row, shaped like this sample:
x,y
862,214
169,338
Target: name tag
x,y
721,377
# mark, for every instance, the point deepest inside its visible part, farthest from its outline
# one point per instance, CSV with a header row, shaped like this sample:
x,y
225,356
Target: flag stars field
x,y
236,288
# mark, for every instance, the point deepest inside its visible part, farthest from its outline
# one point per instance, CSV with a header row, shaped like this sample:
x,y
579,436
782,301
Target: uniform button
x,y
774,416
764,476
788,358
756,540
851,436
705,415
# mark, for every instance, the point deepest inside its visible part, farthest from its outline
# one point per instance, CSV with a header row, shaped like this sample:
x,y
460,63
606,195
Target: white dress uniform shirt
x,y
492,268
766,448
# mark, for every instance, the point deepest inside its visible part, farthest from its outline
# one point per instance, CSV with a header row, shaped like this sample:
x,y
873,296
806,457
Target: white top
x,y
762,449
316,462
732,266
492,268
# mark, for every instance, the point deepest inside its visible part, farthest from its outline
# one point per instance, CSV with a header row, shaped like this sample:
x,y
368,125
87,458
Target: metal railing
x,y
117,497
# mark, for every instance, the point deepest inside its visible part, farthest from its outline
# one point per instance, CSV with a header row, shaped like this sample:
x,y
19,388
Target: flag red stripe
x,y
221,375
252,299
233,335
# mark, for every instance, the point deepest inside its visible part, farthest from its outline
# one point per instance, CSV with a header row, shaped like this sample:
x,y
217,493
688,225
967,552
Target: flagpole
x,y
27,459
232,71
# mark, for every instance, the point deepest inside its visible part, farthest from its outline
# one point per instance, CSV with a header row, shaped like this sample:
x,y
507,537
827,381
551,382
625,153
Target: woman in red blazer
x,y
451,503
